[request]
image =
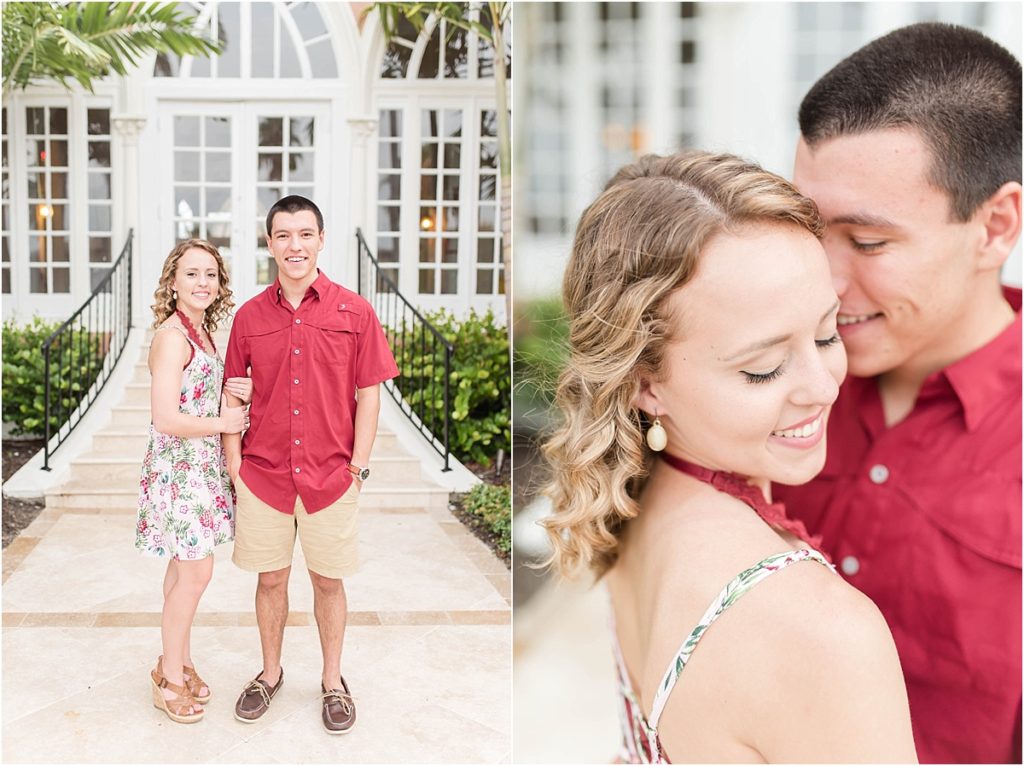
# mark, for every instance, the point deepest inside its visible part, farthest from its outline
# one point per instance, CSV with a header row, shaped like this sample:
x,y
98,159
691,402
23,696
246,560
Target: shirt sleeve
x,y
375,362
236,359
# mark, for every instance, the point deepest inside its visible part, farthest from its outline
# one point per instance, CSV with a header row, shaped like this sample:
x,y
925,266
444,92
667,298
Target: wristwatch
x,y
360,473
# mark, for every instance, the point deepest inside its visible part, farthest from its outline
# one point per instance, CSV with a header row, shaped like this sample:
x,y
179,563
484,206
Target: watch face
x,y
364,474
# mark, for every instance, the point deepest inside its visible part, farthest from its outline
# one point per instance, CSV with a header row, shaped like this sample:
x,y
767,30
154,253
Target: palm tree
x,y
86,41
459,16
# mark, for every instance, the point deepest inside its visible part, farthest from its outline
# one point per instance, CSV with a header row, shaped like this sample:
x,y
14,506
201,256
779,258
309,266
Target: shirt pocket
x,y
337,341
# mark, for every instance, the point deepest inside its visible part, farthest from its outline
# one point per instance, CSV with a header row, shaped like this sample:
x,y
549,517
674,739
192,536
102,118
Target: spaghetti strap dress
x,y
186,499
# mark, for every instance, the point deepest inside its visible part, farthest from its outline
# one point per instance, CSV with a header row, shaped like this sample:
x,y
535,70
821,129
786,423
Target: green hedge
x,y
493,506
480,382
541,351
71,373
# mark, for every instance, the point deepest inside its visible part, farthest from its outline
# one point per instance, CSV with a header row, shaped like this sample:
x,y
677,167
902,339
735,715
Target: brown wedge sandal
x,y
176,708
194,683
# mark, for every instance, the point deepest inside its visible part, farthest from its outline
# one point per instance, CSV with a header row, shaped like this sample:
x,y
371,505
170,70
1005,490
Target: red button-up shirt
x,y
925,518
306,365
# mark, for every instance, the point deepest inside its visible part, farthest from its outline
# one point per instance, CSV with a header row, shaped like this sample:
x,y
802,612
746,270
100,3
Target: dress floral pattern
x,y
640,734
186,500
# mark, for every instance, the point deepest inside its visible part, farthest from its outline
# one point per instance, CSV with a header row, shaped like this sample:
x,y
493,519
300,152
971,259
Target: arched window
x,y
261,39
438,182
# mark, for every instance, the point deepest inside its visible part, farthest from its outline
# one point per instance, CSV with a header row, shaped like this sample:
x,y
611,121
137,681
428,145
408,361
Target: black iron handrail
x,y
79,357
418,347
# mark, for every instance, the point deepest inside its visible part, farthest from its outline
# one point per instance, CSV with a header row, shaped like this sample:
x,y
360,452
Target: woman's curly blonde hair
x,y
166,304
636,244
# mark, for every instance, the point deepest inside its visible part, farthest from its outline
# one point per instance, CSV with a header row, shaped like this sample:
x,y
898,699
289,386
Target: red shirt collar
x,y
981,377
319,287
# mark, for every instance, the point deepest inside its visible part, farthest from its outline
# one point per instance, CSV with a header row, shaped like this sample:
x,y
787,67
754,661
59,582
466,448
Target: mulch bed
x,y
18,514
499,474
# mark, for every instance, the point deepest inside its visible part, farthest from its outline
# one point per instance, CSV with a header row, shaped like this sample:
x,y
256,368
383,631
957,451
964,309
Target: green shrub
x,y
73,370
541,351
480,382
493,506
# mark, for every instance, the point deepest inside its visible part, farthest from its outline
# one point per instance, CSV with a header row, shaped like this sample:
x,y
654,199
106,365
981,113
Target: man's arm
x,y
367,412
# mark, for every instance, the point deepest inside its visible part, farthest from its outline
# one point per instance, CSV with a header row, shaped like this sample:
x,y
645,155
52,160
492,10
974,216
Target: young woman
x,y
704,360
186,501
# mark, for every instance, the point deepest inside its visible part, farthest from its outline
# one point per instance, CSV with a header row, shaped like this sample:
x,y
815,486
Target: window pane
x,y
96,276
262,39
389,155
428,218
428,156
59,251
485,250
487,217
62,280
99,154
488,155
271,131
186,131
389,186
35,123
451,187
452,153
99,249
37,248
308,20
266,197
186,201
7,281
449,250
387,249
451,219
229,34
321,59
300,167
59,218
99,218
35,153
269,167
59,185
428,187
488,183
300,131
58,157
453,123
428,66
289,62
488,123
218,129
37,280
449,282
456,55
429,127
428,250
427,281
99,186
37,215
218,200
37,186
387,218
390,125
483,281
186,166
218,166
99,122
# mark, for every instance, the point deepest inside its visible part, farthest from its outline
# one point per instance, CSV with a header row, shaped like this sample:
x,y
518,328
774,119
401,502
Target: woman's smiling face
x,y
755,363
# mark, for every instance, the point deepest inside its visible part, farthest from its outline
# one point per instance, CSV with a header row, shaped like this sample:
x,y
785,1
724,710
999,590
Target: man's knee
x,y
274,581
327,586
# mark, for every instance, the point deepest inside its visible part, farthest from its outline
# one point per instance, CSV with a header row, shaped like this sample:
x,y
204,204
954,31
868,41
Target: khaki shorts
x,y
265,537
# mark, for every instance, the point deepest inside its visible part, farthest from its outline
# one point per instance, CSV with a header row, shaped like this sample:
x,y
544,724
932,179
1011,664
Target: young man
x,y
318,355
911,148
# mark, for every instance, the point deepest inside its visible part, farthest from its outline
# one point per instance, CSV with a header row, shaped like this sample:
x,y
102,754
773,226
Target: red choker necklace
x,y
773,514
191,330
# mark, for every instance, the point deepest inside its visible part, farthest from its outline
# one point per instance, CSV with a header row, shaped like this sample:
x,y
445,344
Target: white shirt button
x,y
298,321
297,441
879,474
298,470
296,351
296,381
295,412
850,565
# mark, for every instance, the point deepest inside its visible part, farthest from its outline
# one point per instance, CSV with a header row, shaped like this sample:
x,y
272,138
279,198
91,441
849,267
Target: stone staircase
x,y
107,475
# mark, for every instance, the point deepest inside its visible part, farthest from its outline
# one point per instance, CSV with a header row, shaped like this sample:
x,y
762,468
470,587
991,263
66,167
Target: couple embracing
x,y
715,310
307,356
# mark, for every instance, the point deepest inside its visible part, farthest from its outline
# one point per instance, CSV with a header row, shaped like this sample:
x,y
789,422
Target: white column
x,y
127,127
362,129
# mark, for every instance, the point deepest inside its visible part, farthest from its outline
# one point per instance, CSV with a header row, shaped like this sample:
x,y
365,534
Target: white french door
x,y
223,167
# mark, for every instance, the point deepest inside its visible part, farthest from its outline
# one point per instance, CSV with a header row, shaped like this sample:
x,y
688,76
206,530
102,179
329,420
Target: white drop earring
x,y
657,439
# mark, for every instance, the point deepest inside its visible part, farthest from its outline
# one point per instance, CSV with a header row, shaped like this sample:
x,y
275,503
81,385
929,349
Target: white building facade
x,y
603,83
397,140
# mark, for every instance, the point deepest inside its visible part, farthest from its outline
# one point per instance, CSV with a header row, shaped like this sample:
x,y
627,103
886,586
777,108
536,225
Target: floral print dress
x,y
186,500
640,741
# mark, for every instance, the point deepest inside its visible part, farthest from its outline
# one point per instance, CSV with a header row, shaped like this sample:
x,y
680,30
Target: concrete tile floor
x,y
427,651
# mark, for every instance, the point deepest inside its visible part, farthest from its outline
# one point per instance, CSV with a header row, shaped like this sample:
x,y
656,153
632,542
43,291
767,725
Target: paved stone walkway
x,y
427,651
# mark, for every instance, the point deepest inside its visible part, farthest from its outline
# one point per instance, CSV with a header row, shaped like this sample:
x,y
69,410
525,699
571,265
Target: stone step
x,y
112,472
132,441
75,495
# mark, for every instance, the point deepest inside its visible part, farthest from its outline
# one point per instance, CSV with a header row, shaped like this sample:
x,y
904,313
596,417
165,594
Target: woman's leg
x,y
181,598
170,578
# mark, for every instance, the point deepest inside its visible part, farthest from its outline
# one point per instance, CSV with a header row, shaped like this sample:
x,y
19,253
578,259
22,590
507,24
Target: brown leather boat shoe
x,y
255,698
339,709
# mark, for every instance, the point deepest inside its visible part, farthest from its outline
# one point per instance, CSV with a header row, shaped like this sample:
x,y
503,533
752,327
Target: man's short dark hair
x,y
293,203
960,90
